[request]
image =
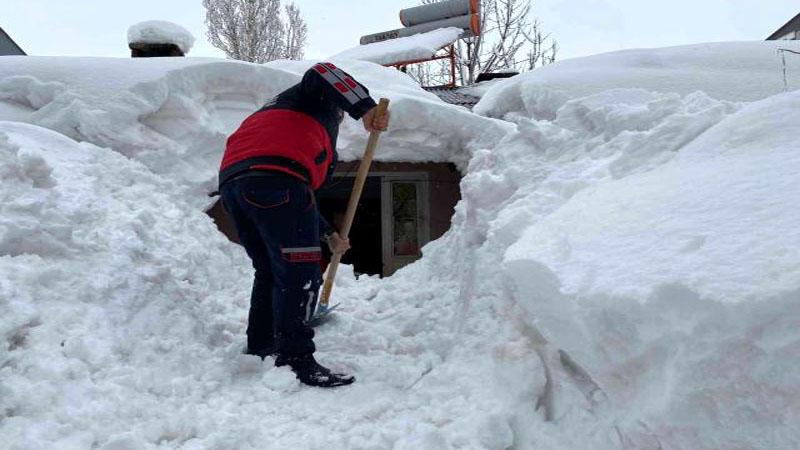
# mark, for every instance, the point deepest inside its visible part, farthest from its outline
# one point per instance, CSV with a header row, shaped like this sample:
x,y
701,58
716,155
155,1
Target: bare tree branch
x,y
296,33
254,30
510,41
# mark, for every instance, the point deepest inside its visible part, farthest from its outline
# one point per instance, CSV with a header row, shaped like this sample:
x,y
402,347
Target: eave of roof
x,y
12,41
453,96
792,25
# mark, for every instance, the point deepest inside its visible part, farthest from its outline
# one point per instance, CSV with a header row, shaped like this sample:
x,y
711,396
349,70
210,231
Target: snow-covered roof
x,y
161,32
150,108
741,71
419,47
454,95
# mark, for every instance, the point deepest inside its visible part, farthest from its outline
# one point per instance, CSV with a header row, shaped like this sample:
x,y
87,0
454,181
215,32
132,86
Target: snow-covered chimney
x,y
155,38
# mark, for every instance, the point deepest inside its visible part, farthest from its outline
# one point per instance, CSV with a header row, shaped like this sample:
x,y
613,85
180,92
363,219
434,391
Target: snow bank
x,y
174,115
622,275
644,240
96,267
412,48
736,71
123,316
729,189
121,297
161,32
665,264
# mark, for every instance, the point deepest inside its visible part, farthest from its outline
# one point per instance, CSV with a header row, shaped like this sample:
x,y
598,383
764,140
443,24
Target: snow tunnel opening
x,y
403,207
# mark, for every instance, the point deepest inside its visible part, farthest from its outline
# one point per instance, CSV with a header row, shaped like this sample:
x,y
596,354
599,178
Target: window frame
x,y
391,262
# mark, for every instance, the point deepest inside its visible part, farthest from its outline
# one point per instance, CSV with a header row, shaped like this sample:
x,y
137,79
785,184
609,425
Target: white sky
x,y
582,27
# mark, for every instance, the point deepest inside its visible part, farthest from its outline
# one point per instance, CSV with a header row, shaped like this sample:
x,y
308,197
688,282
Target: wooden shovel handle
x,y
352,205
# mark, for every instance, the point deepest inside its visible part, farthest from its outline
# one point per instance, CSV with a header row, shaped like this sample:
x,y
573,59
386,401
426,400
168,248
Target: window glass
x,y
405,219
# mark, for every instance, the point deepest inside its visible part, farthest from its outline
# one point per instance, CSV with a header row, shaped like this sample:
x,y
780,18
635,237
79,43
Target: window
x,y
405,219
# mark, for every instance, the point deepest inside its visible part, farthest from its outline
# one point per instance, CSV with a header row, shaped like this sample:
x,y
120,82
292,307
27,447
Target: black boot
x,y
310,372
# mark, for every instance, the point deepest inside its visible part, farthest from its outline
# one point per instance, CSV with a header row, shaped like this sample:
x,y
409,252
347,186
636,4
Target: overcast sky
x,y
582,27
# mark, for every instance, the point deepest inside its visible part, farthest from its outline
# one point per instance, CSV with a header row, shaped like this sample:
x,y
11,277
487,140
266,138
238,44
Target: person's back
x,y
272,164
301,125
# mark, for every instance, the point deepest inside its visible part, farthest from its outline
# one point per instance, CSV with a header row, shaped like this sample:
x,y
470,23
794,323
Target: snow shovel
x,y
323,310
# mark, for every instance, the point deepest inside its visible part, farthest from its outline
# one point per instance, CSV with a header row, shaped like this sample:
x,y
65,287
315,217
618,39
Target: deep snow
x,y
161,32
622,273
174,114
735,71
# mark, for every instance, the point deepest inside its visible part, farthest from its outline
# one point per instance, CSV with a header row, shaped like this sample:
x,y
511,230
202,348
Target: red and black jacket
x,y
296,132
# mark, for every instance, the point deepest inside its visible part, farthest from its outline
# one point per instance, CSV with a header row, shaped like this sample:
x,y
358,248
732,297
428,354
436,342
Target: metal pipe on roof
x,y
417,15
470,24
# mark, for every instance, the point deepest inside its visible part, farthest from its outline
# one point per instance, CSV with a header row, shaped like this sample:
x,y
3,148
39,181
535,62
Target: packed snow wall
x,y
622,273
639,222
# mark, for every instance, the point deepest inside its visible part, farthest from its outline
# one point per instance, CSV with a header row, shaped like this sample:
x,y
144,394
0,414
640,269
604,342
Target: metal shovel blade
x,y
322,315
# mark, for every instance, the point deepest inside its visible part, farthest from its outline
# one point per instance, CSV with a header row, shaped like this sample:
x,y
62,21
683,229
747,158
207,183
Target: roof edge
x,y
12,41
784,29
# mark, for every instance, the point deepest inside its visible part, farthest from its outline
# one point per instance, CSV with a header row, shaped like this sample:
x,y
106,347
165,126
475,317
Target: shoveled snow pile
x,y
411,48
622,275
161,32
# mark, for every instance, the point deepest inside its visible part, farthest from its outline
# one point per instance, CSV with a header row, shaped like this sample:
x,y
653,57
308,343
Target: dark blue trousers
x,y
277,220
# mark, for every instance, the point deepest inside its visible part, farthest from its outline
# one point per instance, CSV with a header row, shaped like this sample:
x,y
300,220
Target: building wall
x,y
438,191
443,191
442,188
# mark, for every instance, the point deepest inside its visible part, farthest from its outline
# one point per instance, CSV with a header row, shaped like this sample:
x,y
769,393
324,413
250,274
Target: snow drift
x,y
623,271
742,71
669,274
